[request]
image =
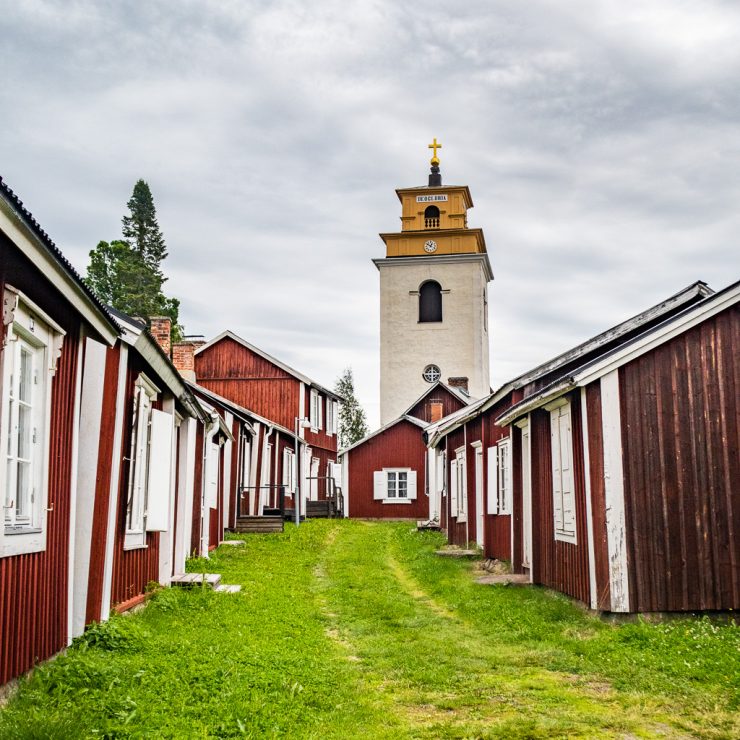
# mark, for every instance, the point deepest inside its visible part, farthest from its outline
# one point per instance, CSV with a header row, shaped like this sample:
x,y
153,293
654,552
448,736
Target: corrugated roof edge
x,y
48,242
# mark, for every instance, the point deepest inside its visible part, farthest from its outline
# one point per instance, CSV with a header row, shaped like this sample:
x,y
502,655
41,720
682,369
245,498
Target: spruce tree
x,y
352,419
127,273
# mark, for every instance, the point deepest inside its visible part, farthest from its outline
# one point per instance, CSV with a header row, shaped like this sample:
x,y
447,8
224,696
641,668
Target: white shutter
x,y
212,475
411,484
379,486
492,492
557,486
320,403
160,468
569,514
286,467
336,473
440,477
334,416
453,488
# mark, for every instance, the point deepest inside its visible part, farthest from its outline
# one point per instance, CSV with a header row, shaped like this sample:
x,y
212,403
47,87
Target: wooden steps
x,y
318,509
259,524
211,580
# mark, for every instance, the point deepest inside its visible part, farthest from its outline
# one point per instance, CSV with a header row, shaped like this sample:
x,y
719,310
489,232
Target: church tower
x,y
433,297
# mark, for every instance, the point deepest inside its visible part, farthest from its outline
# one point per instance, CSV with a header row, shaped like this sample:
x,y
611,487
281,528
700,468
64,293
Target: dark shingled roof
x,y
27,217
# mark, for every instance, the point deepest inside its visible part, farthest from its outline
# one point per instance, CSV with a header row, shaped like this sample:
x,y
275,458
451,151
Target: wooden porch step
x,y
318,509
259,524
188,580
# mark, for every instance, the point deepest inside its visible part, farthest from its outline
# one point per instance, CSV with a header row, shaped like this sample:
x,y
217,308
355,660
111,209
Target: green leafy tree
x,y
352,419
127,273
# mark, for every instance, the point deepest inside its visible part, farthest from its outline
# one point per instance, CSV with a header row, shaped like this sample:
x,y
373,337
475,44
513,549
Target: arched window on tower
x,y
431,217
430,301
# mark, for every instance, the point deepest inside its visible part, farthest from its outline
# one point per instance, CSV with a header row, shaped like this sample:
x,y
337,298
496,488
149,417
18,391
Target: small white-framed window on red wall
x,y
32,343
150,466
394,485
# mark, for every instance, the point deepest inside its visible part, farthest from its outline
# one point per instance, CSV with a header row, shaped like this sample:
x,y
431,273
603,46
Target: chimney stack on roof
x,y
160,328
183,358
460,382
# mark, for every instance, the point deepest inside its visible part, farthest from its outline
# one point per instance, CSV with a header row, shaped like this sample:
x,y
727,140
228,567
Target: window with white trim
x,y
563,495
145,394
504,482
394,485
289,470
459,486
316,411
30,349
331,417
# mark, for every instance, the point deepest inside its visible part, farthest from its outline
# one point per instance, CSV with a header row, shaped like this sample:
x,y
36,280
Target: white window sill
x,y
569,537
461,518
19,542
134,541
398,500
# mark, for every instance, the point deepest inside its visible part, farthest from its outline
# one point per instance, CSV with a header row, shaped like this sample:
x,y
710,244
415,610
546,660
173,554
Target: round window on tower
x,y
431,374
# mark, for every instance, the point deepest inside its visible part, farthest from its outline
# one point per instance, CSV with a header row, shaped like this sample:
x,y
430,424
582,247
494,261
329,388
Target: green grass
x,y
350,629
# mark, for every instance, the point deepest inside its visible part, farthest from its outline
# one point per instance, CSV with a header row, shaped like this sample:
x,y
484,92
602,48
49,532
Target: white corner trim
x,y
73,488
589,516
115,482
614,493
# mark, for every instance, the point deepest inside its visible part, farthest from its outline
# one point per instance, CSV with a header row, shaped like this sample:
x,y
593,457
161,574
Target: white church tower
x,y
433,297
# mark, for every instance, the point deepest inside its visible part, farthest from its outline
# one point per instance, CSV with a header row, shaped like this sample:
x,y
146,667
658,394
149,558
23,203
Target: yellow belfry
x,y
435,146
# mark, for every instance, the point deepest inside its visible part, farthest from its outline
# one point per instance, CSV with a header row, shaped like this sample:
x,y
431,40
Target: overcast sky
x,y
600,141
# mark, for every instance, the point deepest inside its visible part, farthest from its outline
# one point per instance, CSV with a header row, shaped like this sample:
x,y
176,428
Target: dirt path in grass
x,y
444,675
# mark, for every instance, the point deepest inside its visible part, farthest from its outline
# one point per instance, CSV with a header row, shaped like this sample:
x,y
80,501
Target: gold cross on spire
x,y
435,146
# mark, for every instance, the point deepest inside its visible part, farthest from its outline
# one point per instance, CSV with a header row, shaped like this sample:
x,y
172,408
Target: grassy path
x,y
350,629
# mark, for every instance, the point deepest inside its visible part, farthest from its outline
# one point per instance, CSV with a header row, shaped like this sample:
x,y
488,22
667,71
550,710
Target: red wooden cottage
x,y
618,464
390,474
48,316
288,400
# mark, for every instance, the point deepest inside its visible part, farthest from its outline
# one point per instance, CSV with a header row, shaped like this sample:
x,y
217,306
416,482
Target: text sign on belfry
x,y
430,198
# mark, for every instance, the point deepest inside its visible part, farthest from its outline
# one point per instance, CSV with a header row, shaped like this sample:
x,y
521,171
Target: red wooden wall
x,y
559,565
234,372
679,406
34,587
400,446
450,403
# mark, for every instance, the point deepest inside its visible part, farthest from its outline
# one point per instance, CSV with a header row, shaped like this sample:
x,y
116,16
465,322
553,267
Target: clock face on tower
x,y
430,246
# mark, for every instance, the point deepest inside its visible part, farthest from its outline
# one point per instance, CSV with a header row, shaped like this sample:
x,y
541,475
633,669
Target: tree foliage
x,y
127,273
352,419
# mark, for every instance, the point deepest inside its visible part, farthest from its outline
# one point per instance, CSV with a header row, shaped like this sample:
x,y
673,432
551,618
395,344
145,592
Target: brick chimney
x,y
183,358
460,382
160,328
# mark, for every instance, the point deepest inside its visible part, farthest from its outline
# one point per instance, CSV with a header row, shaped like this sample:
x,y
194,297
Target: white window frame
x,y
382,487
145,395
27,327
315,411
331,417
563,491
504,482
289,470
461,484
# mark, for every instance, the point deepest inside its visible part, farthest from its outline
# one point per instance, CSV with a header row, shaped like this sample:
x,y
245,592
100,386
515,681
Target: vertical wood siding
x,y
679,407
33,588
195,522
102,487
559,565
234,372
598,495
400,446
450,404
132,569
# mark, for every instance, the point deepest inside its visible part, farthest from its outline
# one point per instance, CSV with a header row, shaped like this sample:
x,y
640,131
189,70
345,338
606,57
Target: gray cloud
x,y
599,139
